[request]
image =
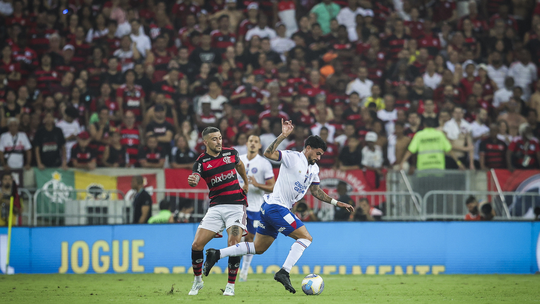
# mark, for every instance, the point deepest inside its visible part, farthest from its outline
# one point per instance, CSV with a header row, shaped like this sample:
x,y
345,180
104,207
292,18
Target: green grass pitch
x,y
261,288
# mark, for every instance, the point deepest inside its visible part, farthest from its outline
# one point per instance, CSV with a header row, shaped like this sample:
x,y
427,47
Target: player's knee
x,y
197,246
260,250
309,238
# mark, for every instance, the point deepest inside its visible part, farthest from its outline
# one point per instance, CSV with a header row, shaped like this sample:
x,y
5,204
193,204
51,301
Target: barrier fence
x,y
57,207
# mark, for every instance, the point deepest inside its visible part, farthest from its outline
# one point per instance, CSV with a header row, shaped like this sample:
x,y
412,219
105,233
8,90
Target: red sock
x,y
197,259
234,264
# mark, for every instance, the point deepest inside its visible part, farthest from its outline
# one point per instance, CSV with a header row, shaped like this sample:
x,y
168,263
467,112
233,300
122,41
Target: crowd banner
x,y
355,180
394,248
520,181
57,186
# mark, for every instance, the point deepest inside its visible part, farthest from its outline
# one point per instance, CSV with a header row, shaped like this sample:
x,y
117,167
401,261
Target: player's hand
x,y
251,180
245,187
286,127
193,180
349,208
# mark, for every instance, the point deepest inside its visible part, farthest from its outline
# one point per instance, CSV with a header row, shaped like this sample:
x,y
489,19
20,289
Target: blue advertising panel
x,y
337,248
535,245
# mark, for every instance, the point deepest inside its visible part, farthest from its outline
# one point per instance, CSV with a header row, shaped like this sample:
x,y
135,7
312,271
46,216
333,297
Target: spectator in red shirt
x,y
492,151
222,37
82,156
472,206
524,151
442,10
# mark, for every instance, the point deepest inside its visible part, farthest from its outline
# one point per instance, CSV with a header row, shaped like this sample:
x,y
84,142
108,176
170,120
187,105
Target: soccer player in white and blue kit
x,y
298,173
261,179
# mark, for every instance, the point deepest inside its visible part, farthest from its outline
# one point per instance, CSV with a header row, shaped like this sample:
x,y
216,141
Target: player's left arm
x,y
318,193
242,171
268,186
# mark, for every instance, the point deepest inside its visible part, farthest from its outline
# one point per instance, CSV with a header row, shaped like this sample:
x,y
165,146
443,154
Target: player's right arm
x,y
195,177
286,130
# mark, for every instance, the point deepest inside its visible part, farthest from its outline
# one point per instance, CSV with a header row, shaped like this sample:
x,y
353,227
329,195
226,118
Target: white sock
x,y
198,279
246,263
238,250
297,249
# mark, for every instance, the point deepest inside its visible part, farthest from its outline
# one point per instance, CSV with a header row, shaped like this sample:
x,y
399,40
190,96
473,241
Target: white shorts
x,y
222,217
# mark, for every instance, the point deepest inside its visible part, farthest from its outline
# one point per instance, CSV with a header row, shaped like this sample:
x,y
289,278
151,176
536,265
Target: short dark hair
x,y
165,204
315,142
139,179
214,80
470,199
430,122
209,130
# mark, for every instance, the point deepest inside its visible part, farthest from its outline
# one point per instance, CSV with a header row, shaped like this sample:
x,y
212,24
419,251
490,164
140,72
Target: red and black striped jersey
x,y
245,26
416,27
39,42
131,139
27,57
219,173
161,65
82,52
112,44
46,80
222,41
132,98
394,44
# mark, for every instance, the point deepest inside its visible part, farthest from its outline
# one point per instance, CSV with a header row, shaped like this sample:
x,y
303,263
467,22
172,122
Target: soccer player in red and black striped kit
x,y
218,167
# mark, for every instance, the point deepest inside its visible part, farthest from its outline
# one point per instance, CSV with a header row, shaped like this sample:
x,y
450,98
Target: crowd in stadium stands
x,y
131,83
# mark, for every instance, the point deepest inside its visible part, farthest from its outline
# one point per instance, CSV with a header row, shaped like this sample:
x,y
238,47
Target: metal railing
x,y
198,199
27,204
450,205
396,206
59,207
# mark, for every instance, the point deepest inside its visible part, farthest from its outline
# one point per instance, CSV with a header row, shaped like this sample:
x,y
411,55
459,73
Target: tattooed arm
x,y
318,193
286,129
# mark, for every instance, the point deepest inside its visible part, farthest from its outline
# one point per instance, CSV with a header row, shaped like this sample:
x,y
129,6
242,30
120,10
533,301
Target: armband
x,y
334,202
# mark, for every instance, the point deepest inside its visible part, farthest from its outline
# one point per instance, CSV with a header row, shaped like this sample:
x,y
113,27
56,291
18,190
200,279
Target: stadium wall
x,y
338,248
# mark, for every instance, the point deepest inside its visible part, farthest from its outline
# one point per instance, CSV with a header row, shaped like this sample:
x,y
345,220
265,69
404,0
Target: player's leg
x,y
303,240
266,234
202,237
253,219
291,226
234,236
209,226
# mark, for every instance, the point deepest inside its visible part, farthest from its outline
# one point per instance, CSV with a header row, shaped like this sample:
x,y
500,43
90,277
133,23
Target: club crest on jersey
x,y
254,170
227,160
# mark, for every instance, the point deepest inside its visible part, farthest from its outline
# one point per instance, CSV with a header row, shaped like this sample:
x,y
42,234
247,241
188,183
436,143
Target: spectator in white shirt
x,y
524,73
262,30
497,71
347,17
372,160
14,146
432,79
361,84
71,128
458,132
141,41
479,132
389,114
214,97
321,122
281,44
503,94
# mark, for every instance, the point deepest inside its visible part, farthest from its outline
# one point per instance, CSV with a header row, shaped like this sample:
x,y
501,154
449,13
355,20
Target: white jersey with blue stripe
x,y
261,169
295,177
